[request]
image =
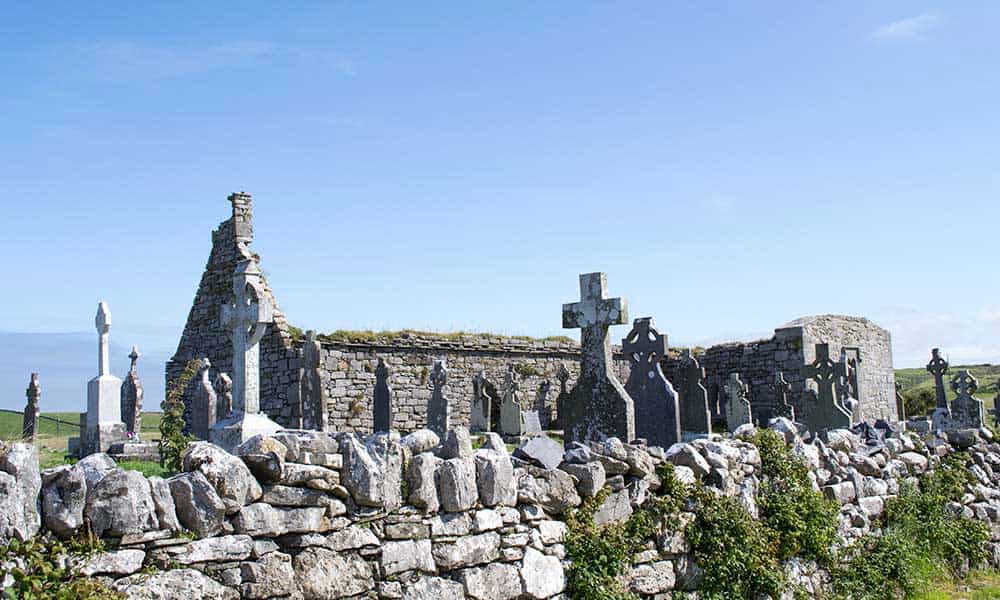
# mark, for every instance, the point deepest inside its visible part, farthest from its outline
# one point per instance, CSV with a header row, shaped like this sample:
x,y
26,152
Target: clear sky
x,y
456,165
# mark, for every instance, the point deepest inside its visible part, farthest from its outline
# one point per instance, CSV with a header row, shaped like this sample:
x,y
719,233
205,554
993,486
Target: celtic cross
x,y
964,384
247,319
938,367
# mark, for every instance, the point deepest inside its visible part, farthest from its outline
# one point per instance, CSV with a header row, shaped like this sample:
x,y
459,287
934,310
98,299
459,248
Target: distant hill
x,y
64,363
916,379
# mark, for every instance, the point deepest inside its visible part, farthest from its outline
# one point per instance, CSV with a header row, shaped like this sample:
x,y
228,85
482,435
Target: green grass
x,y
916,379
147,468
978,585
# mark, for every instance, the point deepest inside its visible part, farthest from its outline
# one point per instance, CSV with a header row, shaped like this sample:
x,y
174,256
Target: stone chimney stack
x,y
242,216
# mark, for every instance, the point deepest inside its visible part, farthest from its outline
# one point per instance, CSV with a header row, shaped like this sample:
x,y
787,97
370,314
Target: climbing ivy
x,y
40,568
173,440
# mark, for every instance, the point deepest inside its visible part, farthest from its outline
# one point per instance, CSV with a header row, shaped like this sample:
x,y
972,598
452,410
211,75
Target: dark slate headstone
x,y
737,405
438,409
312,394
781,391
821,409
511,411
223,387
966,409
657,413
938,367
599,407
131,398
541,450
562,374
696,417
382,407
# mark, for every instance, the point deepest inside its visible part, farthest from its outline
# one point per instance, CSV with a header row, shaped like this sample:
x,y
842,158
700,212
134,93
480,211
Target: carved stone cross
x,y
103,323
782,390
828,413
247,319
737,404
593,314
966,410
938,367
657,414
964,383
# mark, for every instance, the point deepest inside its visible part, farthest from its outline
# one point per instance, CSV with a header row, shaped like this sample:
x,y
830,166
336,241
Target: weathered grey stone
x,y
216,549
308,394
121,562
120,504
843,492
554,491
917,463
457,444
696,418
163,500
822,409
420,476
492,582
616,507
438,408
231,479
351,538
199,507
64,493
323,574
20,488
29,419
264,520
737,404
269,577
95,467
542,451
542,575
456,483
937,367
266,468
481,416
511,411
599,406
382,406
204,406
486,519
433,588
261,444
688,456
495,478
589,477
177,583
657,410
451,525
966,409
420,441
408,555
372,470
654,578
467,551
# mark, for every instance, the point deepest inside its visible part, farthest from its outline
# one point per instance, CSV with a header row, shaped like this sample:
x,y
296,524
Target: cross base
x,y
240,427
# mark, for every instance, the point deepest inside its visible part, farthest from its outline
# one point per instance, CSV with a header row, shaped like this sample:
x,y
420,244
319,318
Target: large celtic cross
x,y
247,319
593,314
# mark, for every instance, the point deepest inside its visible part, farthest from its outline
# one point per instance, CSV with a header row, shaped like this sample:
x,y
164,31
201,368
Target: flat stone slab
x,y
541,450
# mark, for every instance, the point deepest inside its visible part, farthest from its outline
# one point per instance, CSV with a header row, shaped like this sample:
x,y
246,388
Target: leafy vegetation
x,y
41,570
920,540
174,440
913,380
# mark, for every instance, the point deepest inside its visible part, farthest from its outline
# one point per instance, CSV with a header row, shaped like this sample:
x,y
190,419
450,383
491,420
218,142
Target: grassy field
x,y
979,585
987,375
52,437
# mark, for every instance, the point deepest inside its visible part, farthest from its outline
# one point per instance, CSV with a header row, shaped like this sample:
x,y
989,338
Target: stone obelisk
x,y
104,418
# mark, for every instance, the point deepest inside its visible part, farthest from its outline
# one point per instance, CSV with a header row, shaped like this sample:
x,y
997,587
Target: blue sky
x,y
732,166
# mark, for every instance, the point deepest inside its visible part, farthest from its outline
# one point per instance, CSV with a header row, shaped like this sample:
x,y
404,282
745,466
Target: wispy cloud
x,y
971,338
131,60
910,29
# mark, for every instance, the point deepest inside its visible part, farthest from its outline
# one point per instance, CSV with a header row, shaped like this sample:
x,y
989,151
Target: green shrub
x,y
919,401
173,440
44,572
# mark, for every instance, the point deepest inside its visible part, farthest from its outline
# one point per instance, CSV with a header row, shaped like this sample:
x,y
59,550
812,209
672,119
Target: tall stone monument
x,y
205,404
696,416
247,319
996,404
782,391
562,374
850,381
382,408
223,385
737,403
824,411
307,394
599,407
657,411
938,367
29,424
132,398
481,411
104,420
438,409
511,417
966,409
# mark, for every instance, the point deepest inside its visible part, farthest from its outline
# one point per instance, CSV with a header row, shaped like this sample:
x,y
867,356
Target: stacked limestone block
x,y
316,515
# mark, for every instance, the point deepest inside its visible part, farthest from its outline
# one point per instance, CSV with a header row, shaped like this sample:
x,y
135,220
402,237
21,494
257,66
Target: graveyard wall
x,y
792,347
314,515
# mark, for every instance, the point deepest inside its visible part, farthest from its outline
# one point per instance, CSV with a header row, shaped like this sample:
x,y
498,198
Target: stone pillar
x,y
511,417
30,422
696,416
438,409
737,403
132,398
481,411
104,421
382,406
204,405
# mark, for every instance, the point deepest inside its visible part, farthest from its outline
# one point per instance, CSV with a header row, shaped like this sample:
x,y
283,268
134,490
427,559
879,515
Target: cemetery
x,y
421,466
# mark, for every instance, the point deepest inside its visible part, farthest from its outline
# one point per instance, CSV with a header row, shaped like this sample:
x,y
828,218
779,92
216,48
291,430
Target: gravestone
x,y
598,407
850,381
900,403
132,398
823,410
938,367
996,404
562,374
511,417
224,396
657,411
737,403
247,319
532,422
782,391
29,424
966,409
309,393
696,417
382,407
438,410
542,402
481,415
204,404
104,410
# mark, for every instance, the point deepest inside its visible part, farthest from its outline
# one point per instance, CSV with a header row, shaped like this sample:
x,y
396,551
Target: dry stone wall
x,y
315,515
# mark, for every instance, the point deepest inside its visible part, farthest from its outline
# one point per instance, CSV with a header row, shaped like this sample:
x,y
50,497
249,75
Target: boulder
x,y
121,503
407,555
495,478
457,444
177,583
917,463
166,511
230,477
271,576
122,562
372,469
590,477
20,489
261,444
554,491
616,507
351,538
266,468
541,451
491,582
688,456
420,441
323,574
456,483
199,508
420,477
95,467
542,575
64,494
